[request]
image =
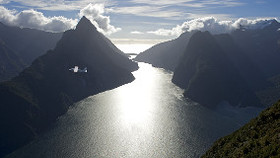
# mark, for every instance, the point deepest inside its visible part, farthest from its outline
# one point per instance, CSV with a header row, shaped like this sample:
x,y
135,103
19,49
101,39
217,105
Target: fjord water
x,y
146,118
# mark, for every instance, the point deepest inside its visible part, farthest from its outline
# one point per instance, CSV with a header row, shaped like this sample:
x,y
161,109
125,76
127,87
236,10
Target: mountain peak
x,y
274,23
85,23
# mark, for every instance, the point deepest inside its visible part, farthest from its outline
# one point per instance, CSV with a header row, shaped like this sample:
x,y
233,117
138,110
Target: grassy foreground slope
x,y
258,138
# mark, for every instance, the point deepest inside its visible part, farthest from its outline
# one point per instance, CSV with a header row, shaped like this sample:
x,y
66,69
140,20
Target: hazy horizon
x,y
134,48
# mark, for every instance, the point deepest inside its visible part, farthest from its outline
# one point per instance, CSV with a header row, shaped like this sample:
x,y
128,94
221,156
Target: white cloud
x,y
171,9
56,5
6,15
166,32
149,11
252,24
67,5
190,3
4,1
222,17
136,32
213,25
94,12
36,20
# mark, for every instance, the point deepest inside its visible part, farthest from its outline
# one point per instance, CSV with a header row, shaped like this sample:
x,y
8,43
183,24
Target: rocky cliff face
x,y
30,102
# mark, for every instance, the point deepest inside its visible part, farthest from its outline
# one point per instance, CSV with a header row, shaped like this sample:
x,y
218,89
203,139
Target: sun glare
x,y
136,102
133,48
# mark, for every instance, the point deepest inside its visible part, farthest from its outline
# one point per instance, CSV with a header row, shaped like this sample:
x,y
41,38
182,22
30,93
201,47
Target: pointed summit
x,y
82,47
85,23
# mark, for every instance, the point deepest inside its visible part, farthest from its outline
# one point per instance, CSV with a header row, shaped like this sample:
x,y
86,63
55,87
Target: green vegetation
x,y
259,138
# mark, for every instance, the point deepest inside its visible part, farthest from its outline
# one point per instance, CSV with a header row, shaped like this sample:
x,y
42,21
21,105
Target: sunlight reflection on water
x,y
147,118
136,101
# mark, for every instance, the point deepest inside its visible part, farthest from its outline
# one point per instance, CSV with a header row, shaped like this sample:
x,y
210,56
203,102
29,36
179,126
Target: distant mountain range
x,y
167,54
226,67
30,102
19,47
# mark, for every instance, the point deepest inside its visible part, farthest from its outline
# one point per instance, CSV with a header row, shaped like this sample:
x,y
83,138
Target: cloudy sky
x,y
139,21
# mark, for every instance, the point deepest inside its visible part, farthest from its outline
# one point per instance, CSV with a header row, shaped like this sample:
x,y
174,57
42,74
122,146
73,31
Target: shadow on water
x,y
146,118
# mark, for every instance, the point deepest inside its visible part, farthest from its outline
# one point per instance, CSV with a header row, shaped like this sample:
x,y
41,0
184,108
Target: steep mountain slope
x,y
271,94
253,75
30,102
28,43
10,63
258,138
22,45
262,46
254,54
209,76
167,54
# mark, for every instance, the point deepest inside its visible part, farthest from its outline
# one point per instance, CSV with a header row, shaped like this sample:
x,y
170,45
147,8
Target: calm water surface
x,y
145,118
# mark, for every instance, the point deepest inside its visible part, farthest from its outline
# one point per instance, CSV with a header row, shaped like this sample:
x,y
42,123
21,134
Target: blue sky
x,y
132,21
